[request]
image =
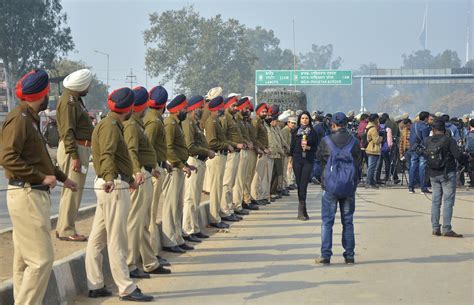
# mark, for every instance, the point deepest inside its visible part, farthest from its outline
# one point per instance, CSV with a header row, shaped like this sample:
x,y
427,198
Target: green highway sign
x,y
302,77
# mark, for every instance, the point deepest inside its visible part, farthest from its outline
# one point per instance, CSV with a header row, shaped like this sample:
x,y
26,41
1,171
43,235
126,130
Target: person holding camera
x,y
441,153
418,133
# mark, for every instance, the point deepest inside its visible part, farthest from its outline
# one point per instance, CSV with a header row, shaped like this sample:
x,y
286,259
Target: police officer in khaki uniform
x,y
75,131
144,164
211,94
114,171
290,123
234,139
199,152
249,202
242,172
31,175
276,146
260,179
217,142
155,132
173,186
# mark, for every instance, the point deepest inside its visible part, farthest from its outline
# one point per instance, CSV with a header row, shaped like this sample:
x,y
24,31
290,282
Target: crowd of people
x,y
154,156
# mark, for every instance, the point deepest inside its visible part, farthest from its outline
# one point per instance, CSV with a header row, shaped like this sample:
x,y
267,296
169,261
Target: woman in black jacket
x,y
304,143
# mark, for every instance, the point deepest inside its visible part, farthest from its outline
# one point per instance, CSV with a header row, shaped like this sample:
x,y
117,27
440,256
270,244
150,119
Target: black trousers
x,y
302,171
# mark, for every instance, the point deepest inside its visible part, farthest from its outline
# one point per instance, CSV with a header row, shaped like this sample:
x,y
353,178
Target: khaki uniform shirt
x,y
252,133
244,131
141,152
262,137
176,151
231,129
195,140
286,136
109,150
274,141
215,134
206,113
73,120
155,132
23,151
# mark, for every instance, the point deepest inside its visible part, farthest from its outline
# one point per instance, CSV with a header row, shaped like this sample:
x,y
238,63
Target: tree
x,y
320,57
33,35
199,53
96,98
421,59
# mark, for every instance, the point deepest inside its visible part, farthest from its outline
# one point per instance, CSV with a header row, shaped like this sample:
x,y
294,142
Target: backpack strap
x,y
330,143
347,148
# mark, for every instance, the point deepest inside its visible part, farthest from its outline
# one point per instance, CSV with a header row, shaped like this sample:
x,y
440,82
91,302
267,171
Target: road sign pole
x,y
362,94
255,100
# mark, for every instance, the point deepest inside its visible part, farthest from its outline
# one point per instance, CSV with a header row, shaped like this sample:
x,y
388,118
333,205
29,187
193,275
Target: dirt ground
x,y
61,248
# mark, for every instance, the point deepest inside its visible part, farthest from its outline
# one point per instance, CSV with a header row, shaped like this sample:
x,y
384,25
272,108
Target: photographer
x,y
441,153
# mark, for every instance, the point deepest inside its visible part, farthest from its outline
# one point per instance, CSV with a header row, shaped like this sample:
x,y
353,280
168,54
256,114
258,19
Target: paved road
x,y
88,197
269,258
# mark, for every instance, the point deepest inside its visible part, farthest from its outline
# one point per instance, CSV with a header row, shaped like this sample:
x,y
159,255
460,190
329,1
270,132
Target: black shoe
x,y
272,199
174,249
426,191
241,212
436,232
411,190
301,211
186,247
250,206
100,293
322,260
349,260
163,261
397,181
138,274
220,225
159,270
137,296
191,238
201,235
285,193
452,234
371,186
239,218
230,218
262,202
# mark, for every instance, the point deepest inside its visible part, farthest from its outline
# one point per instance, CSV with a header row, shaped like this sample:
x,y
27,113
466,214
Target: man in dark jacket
x,y
340,137
443,176
418,133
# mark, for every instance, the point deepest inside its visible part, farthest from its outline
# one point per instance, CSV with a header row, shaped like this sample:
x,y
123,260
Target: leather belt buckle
x,y
85,143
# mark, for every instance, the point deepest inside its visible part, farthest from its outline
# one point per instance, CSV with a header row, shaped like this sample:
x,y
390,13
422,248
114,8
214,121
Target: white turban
x,y
238,95
284,117
78,81
214,92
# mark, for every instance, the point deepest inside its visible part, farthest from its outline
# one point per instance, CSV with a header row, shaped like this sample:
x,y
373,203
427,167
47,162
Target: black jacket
x,y
296,150
452,154
341,137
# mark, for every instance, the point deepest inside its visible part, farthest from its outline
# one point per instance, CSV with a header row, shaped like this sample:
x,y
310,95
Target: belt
x,y
20,183
86,143
236,150
202,158
124,178
148,169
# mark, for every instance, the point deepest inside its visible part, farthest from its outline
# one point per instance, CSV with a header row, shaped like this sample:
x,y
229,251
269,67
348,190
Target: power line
x,y
131,78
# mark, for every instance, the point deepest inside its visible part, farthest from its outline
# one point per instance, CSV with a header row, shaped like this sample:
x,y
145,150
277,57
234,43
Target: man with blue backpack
x,y
418,133
340,155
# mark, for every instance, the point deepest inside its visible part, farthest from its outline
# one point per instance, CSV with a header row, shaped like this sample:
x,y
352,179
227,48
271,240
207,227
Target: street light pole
x,y
106,54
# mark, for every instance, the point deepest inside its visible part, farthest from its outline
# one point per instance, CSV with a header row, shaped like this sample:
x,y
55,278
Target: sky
x,y
361,32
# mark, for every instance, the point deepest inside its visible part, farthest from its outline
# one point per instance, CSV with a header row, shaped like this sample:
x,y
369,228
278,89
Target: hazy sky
x,y
378,31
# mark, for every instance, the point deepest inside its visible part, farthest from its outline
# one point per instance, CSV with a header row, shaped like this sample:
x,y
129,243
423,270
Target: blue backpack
x,y
340,174
470,142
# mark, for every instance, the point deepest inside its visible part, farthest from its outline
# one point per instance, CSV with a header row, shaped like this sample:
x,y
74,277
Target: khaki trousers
x,y
230,172
285,173
290,175
239,186
216,173
109,229
70,201
138,227
173,208
156,207
251,163
206,185
268,181
259,182
192,197
32,246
